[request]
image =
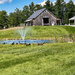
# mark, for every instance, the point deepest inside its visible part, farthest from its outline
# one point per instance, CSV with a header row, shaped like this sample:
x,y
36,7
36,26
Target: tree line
x,y
60,9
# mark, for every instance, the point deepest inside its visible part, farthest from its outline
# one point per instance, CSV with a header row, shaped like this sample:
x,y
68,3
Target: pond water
x,y
25,41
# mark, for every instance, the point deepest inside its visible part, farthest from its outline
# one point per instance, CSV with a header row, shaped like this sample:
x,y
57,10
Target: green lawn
x,y
48,59
39,32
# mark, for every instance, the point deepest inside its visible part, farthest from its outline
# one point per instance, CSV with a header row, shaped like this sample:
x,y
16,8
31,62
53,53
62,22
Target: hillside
x,y
48,59
38,32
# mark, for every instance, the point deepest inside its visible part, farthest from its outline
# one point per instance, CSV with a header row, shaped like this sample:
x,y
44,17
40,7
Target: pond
x,y
26,41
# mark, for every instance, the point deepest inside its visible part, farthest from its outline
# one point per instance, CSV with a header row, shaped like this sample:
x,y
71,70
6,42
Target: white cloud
x,y
42,3
3,1
74,2
54,2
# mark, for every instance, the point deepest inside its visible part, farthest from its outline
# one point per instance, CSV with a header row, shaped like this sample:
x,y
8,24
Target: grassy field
x,y
39,32
48,59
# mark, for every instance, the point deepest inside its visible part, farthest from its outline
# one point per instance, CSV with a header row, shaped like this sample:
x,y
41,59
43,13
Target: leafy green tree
x,y
3,19
38,7
31,8
15,17
25,13
11,19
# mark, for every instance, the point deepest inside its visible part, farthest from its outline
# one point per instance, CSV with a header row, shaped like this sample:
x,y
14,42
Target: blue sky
x,y
11,5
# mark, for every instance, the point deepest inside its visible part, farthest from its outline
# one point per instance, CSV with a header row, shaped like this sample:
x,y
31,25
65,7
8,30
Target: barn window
x,y
46,21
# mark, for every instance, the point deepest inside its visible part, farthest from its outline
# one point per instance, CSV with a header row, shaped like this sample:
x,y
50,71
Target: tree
x,y
15,17
12,19
47,5
60,9
3,19
25,13
32,8
38,7
52,8
70,11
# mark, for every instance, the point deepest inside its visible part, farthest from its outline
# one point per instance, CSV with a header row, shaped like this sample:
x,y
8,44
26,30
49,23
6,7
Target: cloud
x,y
54,2
3,1
74,2
42,3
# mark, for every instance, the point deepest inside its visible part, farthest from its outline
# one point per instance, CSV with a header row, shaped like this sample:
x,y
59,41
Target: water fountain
x,y
23,32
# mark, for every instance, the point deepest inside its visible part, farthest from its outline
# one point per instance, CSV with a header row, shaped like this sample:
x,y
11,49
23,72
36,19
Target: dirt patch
x,y
11,28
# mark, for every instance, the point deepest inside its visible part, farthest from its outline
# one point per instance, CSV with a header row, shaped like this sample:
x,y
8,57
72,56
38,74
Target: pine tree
x,y
60,9
25,13
32,8
38,7
47,5
70,10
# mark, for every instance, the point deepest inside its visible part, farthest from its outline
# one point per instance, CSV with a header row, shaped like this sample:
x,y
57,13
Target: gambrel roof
x,y
37,13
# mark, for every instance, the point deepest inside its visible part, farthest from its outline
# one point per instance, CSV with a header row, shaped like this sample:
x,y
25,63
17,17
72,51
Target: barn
x,y
42,17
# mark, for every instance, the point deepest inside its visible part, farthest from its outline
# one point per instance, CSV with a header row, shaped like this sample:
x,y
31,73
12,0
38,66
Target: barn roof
x,y
37,13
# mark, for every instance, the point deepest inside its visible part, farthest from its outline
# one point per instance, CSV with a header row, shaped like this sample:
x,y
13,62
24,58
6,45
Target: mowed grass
x,y
39,32
48,59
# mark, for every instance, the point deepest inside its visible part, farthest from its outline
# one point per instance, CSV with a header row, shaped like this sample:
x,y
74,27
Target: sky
x,y
11,5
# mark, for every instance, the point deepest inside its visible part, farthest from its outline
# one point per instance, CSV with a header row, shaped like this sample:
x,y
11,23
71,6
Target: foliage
x,y
15,18
47,6
32,8
38,7
3,19
70,11
25,13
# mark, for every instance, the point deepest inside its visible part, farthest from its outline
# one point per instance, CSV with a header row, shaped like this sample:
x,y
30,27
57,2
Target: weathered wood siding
x,y
38,20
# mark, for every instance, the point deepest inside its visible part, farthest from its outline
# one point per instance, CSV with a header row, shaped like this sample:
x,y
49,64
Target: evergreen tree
x,y
60,9
47,5
32,8
52,8
38,7
70,11
25,13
